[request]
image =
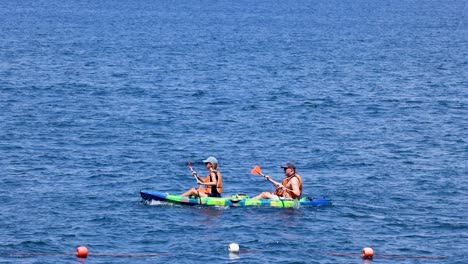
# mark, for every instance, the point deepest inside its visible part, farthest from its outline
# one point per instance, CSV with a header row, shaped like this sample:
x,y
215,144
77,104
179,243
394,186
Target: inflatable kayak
x,y
236,200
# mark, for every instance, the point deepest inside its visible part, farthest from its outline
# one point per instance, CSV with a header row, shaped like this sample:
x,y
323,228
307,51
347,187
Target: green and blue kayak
x,y
236,200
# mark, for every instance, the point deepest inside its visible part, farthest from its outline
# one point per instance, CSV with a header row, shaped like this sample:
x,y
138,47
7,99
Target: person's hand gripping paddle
x,y
258,171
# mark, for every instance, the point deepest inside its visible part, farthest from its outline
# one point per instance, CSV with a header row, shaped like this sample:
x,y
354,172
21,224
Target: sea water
x,y
100,99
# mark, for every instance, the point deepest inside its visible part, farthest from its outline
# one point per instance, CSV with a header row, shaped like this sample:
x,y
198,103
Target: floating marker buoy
x,y
233,248
82,252
367,253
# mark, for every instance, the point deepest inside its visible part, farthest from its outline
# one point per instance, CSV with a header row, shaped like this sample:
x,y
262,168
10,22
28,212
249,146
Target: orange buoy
x,y
82,252
367,253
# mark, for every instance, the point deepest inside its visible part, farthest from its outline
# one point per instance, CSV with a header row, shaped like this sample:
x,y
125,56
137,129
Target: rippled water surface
x,y
100,99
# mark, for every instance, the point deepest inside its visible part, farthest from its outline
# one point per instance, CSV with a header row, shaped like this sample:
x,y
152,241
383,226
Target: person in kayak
x,y
290,187
213,181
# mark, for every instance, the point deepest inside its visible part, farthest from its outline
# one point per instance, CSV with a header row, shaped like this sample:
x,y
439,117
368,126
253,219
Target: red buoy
x,y
82,252
367,253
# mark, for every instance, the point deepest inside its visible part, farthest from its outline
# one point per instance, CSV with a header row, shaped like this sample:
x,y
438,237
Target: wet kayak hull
x,y
236,200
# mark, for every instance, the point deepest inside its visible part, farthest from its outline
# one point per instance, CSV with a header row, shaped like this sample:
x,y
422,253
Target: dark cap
x,y
289,165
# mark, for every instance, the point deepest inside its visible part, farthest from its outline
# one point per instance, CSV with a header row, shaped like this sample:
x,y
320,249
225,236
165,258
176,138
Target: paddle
x,y
258,171
196,178
191,169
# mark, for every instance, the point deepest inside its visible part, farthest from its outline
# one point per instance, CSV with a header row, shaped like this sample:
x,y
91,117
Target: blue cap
x,y
289,165
211,160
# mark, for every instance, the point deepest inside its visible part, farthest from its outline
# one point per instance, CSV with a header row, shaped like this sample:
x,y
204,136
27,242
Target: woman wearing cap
x,y
213,181
291,187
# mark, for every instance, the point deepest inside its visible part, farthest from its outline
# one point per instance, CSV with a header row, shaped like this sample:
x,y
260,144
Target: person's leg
x,y
191,192
266,195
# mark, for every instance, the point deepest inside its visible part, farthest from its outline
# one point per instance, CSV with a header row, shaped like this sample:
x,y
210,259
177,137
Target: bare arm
x,y
275,183
200,180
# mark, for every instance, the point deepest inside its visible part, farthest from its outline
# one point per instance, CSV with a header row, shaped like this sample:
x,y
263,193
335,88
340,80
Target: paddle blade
x,y
190,165
256,170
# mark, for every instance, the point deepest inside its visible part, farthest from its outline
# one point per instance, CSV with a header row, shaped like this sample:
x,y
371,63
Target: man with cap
x,y
290,187
213,181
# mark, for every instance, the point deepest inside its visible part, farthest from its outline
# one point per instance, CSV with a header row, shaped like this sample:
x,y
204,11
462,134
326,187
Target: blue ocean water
x,y
100,99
